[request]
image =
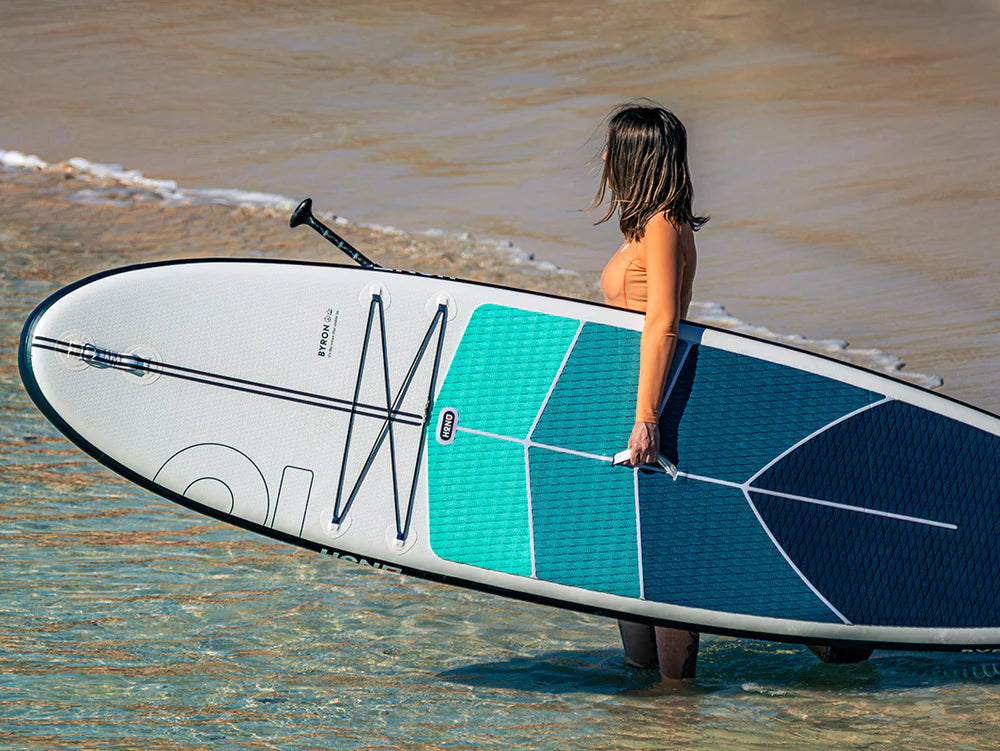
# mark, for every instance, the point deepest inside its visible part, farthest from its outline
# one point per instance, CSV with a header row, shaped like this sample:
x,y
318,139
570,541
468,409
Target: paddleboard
x,y
465,433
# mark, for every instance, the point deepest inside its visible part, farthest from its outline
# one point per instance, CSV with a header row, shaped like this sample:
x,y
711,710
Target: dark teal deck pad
x,y
729,414
703,547
592,408
584,523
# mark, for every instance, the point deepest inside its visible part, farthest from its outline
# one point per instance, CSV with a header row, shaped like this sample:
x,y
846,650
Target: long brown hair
x,y
646,169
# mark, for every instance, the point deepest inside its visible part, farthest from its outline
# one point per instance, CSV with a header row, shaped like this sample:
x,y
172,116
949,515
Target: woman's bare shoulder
x,y
661,223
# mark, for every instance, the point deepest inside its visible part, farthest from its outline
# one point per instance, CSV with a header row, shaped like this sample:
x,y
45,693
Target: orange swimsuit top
x,y
623,281
624,285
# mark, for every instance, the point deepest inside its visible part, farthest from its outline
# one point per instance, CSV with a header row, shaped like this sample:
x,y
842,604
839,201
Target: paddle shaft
x,y
303,215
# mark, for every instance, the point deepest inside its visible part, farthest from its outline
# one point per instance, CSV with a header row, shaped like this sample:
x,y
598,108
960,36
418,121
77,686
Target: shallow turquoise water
x,y
128,622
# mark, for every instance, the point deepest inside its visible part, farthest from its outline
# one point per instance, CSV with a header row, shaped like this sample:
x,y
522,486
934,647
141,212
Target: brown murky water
x,y
847,151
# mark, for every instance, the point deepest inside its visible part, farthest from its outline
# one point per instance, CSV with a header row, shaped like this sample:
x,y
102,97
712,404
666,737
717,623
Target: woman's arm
x,y
661,248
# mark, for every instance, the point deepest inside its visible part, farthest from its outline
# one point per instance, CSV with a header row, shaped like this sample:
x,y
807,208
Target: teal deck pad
x,y
583,513
502,371
703,547
503,368
730,414
480,517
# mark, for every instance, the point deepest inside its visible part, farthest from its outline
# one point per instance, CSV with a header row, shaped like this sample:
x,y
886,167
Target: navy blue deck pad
x,y
898,459
729,414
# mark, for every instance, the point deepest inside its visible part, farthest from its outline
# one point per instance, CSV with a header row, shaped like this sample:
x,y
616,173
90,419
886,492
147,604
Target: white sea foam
x,y
117,173
243,198
167,190
19,160
387,229
714,314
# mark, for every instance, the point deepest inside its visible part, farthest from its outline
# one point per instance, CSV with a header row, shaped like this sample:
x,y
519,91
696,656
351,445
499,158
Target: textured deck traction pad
x,y
526,486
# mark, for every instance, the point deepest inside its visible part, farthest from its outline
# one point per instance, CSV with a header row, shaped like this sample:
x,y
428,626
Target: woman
x,y
646,174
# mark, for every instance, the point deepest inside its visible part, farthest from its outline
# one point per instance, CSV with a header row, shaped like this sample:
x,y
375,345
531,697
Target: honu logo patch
x,y
447,424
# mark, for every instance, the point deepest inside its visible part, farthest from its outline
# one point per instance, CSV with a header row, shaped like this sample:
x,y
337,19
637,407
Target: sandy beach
x,y
49,234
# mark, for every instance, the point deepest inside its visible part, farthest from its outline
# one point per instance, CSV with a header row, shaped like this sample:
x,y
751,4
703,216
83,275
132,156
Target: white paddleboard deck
x,y
465,432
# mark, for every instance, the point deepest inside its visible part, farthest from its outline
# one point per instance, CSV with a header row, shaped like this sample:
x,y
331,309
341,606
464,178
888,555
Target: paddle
x,y
303,215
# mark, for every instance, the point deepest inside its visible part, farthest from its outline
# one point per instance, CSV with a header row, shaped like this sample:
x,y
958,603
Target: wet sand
x,y
49,235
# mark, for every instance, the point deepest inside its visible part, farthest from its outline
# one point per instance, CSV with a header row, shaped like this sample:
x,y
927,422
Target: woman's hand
x,y
644,443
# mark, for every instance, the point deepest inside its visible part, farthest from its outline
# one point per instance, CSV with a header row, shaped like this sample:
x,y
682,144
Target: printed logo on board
x,y
328,332
447,423
363,561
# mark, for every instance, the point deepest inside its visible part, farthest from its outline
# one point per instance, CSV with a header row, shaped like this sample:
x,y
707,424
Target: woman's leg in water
x,y
639,643
678,652
675,652
840,655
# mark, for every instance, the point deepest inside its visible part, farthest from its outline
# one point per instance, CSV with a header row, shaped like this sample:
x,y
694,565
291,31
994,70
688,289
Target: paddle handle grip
x,y
303,215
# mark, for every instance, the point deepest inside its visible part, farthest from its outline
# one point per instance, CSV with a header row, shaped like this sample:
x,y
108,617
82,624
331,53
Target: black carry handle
x,y
303,215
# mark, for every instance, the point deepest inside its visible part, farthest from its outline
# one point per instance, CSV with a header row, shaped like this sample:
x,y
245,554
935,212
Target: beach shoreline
x,y
59,223
107,217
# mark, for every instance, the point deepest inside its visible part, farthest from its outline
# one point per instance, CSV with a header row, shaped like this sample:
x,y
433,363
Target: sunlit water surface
x,y
128,622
